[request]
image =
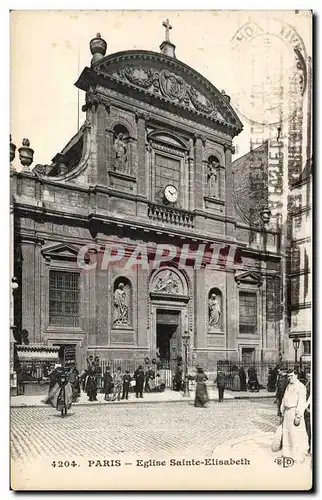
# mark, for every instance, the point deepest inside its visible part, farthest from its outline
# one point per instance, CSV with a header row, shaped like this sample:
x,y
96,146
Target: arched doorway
x,y
169,313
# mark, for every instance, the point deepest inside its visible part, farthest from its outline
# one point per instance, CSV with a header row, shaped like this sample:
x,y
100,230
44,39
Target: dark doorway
x,y
168,341
167,351
66,353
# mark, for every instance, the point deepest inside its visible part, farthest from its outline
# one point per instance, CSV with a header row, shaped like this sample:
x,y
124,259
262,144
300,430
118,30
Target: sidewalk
x,y
167,396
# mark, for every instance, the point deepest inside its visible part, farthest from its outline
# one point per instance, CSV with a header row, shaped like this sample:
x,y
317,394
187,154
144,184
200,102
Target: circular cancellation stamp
x,y
269,67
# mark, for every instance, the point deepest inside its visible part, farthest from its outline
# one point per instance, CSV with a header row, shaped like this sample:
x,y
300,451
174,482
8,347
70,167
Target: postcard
x,y
160,250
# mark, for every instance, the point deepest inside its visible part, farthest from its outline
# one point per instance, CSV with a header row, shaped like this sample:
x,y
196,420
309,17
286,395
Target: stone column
x,y
103,146
200,319
230,211
28,288
38,295
191,171
92,302
229,183
103,306
133,157
198,173
142,308
141,173
232,312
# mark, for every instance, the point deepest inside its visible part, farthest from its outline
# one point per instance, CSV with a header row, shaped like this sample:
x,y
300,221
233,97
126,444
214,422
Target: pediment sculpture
x,y
167,282
175,88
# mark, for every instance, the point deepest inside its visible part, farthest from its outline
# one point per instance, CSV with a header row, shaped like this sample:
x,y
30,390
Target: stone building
x,y
300,265
151,165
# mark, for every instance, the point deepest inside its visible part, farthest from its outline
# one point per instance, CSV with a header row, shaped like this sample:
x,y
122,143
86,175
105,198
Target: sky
x,y
49,49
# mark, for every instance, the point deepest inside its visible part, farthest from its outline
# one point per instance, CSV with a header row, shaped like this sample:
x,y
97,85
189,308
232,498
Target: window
x,y
306,347
247,312
167,171
64,298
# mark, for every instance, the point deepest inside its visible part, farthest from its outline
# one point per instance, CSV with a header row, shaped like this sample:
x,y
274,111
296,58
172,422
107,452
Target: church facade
x,y
132,242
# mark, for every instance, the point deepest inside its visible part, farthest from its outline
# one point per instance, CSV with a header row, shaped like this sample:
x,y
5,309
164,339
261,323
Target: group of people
x,y
294,408
118,385
239,380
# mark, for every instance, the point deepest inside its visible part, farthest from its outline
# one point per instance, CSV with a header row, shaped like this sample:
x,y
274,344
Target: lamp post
x,y
296,345
185,339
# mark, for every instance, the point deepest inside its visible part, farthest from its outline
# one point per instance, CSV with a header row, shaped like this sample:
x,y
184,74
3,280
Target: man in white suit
x,y
295,442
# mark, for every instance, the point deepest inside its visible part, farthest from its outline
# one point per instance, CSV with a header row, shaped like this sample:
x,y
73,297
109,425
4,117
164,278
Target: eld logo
x,y
284,461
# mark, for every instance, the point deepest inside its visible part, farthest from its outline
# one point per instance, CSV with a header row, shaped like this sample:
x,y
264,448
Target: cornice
x,y
93,76
173,63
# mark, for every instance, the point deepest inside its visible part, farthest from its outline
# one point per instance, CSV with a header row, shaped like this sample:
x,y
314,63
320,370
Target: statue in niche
x,y
214,311
213,177
167,284
121,306
120,148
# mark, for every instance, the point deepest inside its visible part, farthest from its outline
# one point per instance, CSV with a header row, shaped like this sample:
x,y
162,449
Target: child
x,y
126,384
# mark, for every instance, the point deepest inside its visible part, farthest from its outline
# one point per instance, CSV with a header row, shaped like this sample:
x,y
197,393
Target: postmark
x,y
269,65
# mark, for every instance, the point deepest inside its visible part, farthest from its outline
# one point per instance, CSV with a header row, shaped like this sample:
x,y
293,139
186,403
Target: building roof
x,y
162,80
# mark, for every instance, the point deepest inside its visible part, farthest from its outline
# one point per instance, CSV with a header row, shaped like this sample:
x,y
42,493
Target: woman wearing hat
x,y
201,397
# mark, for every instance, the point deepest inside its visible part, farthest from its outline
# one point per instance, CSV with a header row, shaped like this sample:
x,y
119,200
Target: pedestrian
x,y
201,397
235,378
118,382
307,412
74,381
65,395
90,385
126,384
139,381
294,437
253,384
98,373
90,362
177,379
108,384
281,384
243,379
54,379
149,377
221,384
271,380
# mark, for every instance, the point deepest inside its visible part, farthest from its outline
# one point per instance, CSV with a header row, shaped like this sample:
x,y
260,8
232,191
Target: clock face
x,y
171,193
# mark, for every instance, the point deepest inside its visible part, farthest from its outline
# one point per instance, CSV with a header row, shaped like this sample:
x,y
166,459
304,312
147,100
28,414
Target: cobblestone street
x,y
111,431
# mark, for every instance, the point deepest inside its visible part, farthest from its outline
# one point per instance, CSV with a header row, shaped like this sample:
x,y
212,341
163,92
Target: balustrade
x,y
169,215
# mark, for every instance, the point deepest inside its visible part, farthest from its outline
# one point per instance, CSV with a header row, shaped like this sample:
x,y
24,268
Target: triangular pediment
x,y
60,251
167,80
249,278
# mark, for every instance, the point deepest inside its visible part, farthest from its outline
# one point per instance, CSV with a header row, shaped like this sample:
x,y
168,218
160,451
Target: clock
x,y
171,193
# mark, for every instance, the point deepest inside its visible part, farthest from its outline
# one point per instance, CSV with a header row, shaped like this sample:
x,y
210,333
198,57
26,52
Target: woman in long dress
x,y
201,397
64,395
61,394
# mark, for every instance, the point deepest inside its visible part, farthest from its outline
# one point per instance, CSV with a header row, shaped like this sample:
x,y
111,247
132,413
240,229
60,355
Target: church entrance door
x,y
168,336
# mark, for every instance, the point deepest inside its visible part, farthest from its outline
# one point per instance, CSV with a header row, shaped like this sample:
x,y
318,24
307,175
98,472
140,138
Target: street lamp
x,y
185,339
296,345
